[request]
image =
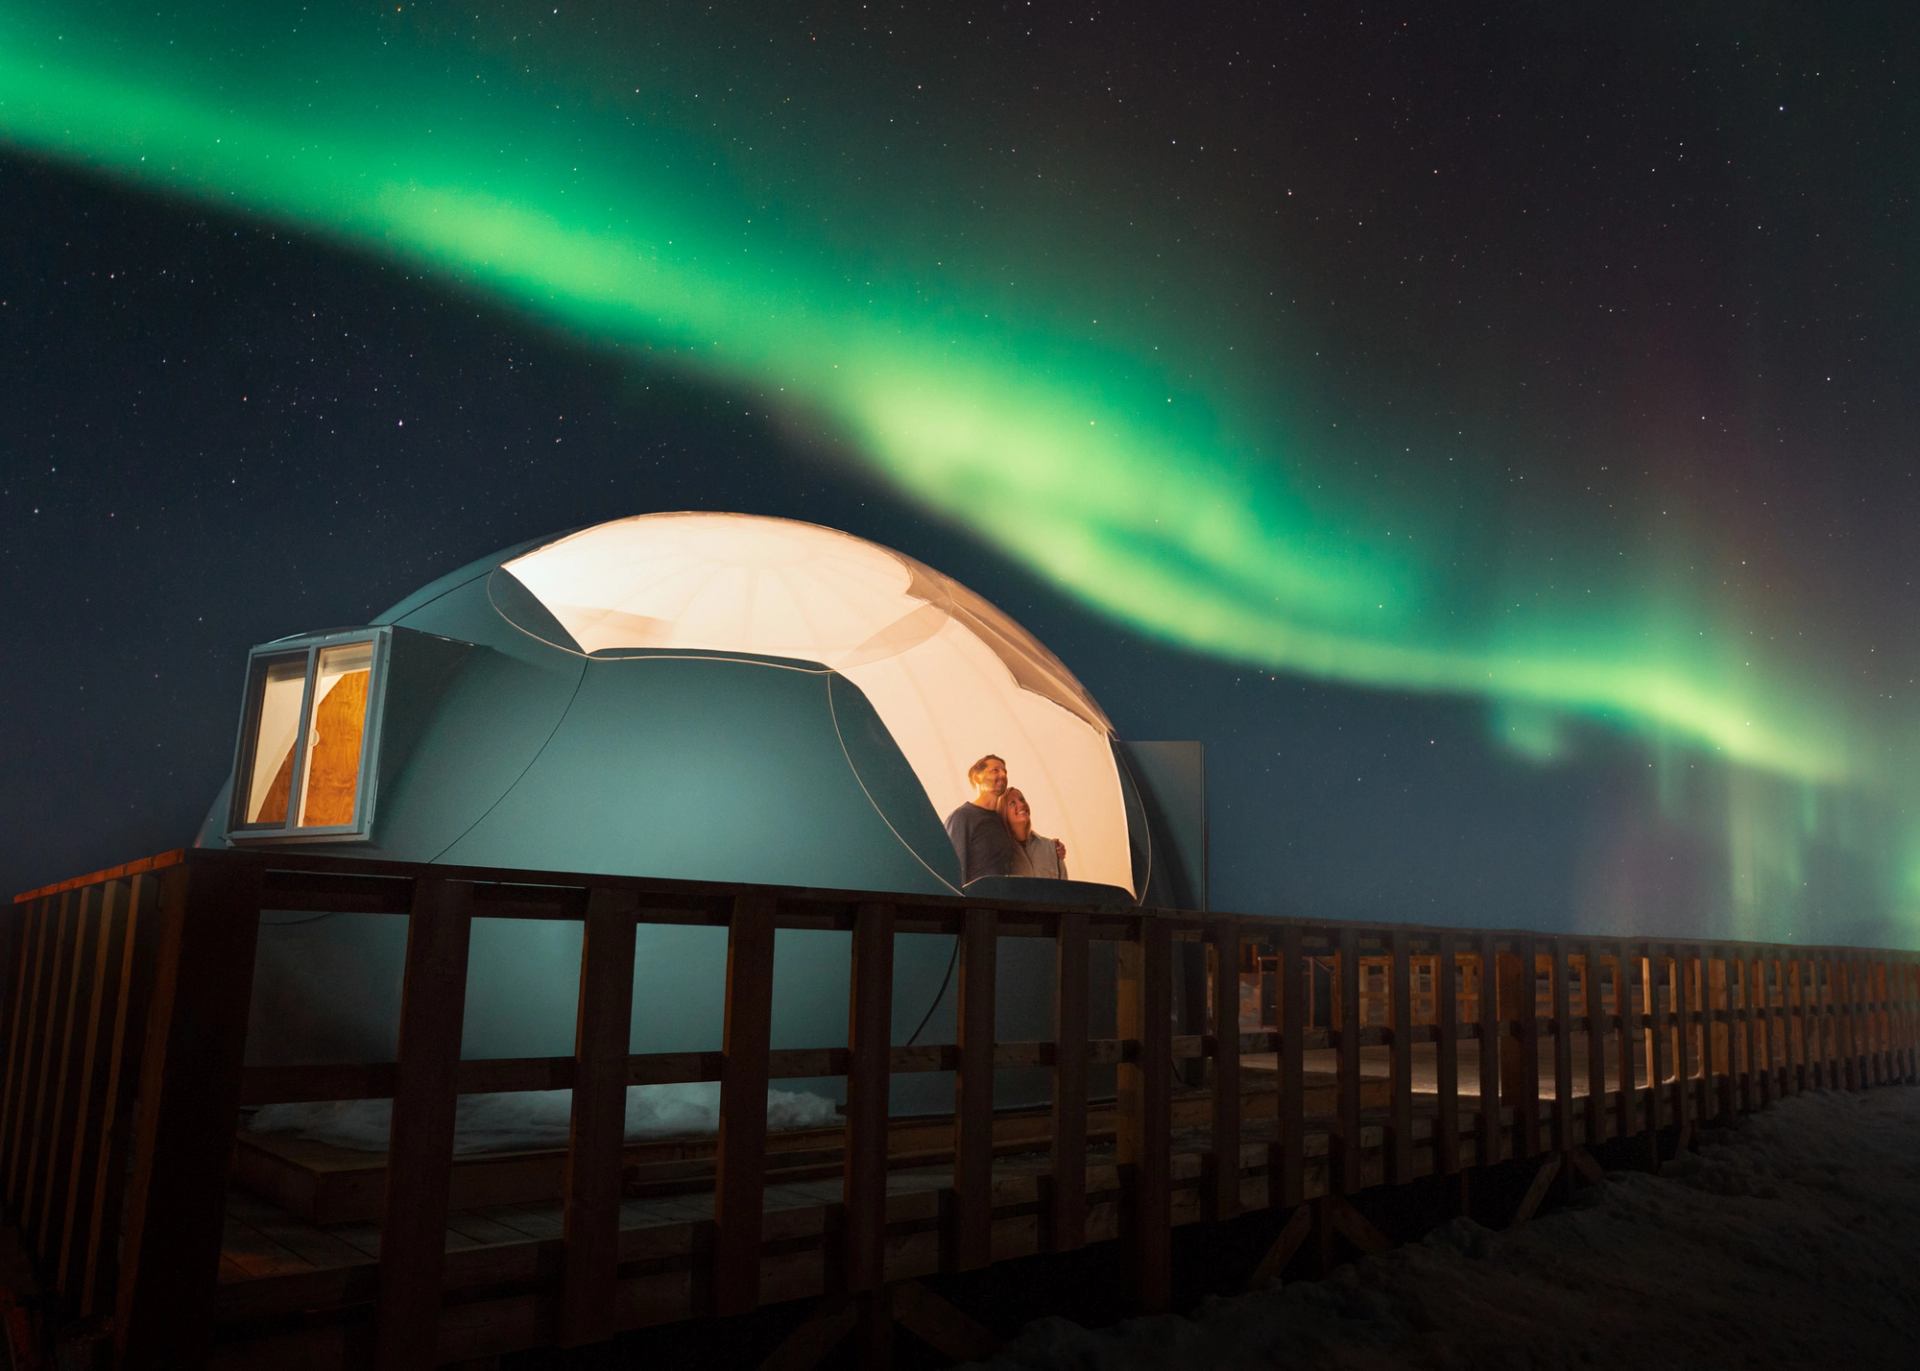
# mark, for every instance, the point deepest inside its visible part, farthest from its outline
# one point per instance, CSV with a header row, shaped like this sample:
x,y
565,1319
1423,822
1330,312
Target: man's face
x,y
992,778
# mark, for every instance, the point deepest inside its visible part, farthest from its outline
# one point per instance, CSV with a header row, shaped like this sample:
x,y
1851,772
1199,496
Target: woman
x,y
1033,855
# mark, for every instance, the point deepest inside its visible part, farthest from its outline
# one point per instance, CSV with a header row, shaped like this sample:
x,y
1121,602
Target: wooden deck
x,y
1325,1059
278,1266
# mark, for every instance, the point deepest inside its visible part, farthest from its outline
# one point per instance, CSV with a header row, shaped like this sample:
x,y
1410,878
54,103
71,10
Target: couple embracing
x,y
993,832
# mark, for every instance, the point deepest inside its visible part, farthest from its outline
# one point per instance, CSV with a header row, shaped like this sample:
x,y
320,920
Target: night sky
x,y
1492,432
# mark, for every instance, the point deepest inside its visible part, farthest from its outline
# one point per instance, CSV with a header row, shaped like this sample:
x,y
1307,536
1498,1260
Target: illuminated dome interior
x,y
950,676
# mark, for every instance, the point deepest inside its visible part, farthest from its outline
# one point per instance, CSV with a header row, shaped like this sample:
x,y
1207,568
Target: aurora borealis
x,y
1369,358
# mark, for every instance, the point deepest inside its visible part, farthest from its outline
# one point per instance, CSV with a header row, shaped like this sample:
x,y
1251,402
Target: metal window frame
x,y
252,702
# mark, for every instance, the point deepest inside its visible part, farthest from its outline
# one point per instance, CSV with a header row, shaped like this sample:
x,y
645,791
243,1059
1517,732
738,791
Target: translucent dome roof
x,y
950,676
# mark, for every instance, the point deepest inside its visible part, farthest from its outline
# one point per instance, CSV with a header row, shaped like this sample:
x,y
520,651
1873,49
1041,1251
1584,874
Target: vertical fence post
x,y
188,1106
17,922
24,1005
1662,1104
1843,994
1792,1025
1446,990
1289,977
1901,1015
740,1171
1626,975
1813,1025
1067,1197
1839,1023
29,1104
47,1173
98,1239
1739,1045
1562,965
1223,946
1895,971
1803,976
1858,996
1910,998
1868,1019
863,1176
971,1233
1687,1007
1909,1064
1345,1157
1851,1028
1493,1053
1860,983
1782,1022
1839,1071
1910,978
1884,1018
1812,1030
1870,1016
1804,1026
1727,1032
1594,1001
1792,1050
1400,1057
1711,995
1692,1049
1726,985
1520,1044
75,1165
1144,1126
603,1020
1899,1010
413,1234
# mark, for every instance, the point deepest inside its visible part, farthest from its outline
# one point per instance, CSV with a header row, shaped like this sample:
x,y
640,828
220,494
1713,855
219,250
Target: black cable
x,y
938,995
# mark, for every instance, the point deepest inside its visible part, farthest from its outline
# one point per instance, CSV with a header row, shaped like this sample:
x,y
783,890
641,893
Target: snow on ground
x,y
536,1118
1789,1240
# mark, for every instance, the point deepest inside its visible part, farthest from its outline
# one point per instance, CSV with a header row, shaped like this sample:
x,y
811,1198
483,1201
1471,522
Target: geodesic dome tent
x,y
712,696
693,695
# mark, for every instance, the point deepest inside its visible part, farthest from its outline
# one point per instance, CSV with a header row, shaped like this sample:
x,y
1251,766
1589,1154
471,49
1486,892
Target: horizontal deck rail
x,y
127,996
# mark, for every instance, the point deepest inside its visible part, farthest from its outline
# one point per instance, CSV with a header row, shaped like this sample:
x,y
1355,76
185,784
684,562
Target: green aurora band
x,y
1084,452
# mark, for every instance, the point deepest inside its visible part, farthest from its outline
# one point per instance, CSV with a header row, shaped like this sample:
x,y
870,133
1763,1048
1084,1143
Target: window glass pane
x,y
333,744
283,680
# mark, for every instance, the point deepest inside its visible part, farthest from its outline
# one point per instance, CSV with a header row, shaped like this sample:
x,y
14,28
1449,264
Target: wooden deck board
x,y
330,1184
267,1242
280,1266
256,1255
480,1229
314,1245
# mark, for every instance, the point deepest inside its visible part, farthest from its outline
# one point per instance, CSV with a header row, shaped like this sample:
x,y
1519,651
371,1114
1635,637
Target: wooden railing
x,y
129,995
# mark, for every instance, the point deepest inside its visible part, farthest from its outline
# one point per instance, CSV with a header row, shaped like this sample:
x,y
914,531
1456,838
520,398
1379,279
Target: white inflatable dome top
x,y
950,676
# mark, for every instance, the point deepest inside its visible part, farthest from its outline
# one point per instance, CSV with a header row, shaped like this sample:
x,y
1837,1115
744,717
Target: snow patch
x,y
537,1118
1789,1239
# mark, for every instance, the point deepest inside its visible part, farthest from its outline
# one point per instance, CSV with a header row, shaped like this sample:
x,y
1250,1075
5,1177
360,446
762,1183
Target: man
x,y
980,839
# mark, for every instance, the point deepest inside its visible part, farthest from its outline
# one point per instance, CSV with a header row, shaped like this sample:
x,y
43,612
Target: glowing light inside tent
x,y
331,780
949,675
